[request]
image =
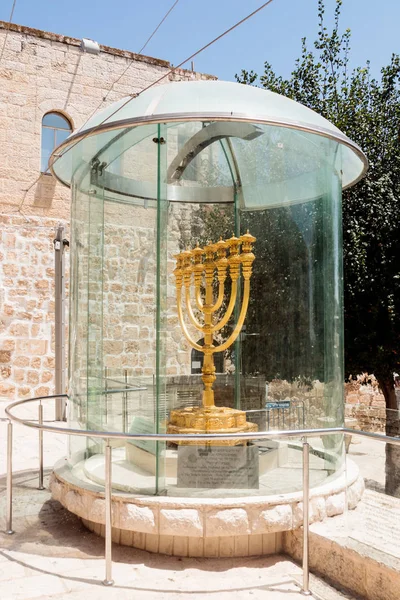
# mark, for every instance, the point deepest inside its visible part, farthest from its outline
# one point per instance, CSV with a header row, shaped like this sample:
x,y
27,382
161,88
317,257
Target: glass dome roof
x,y
203,101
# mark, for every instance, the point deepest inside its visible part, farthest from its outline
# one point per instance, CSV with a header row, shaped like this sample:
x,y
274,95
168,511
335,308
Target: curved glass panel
x,y
140,197
232,105
211,98
210,162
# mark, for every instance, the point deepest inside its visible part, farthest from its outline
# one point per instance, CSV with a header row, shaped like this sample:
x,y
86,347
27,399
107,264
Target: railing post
x,y
106,394
41,486
9,529
108,533
306,506
125,402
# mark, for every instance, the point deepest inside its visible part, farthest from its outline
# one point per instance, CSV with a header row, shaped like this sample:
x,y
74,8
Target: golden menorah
x,y
199,266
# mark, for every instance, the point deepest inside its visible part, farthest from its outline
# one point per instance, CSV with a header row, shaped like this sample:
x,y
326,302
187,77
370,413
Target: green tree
x,y
280,273
368,111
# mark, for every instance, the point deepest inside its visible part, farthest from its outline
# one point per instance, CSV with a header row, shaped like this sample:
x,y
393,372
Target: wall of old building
x,y
365,404
42,72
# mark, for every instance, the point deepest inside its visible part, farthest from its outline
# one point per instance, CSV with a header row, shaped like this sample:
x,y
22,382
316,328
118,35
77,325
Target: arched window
x,y
55,129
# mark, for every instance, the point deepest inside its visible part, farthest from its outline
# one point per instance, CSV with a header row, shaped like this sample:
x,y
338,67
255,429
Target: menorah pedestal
x,y
215,419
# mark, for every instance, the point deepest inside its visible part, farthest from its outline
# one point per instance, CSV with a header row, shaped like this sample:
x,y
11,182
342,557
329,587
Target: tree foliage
x,y
277,340
368,111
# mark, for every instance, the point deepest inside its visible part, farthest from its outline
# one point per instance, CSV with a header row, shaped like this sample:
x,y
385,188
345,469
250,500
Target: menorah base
x,y
216,419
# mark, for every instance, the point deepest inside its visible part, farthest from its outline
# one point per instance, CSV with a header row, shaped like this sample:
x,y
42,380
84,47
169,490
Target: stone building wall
x,y
42,72
365,407
27,306
364,390
366,404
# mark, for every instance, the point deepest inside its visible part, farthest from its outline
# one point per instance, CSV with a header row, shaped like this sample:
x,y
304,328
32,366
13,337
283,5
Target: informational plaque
x,y
280,404
376,522
218,467
143,425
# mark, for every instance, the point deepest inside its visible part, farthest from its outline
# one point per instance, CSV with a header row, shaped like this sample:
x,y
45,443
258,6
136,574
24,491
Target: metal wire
x,y
19,209
128,66
206,437
1,57
158,26
172,70
8,28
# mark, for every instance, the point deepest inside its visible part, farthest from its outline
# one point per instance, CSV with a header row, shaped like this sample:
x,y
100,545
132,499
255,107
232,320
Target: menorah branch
x,y
243,311
183,325
203,264
192,318
220,299
229,310
199,302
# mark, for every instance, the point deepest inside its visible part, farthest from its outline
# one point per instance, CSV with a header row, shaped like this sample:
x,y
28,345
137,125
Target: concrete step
x,y
358,551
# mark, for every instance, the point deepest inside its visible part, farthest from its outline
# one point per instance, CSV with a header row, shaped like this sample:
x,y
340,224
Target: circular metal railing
x,y
160,437
107,436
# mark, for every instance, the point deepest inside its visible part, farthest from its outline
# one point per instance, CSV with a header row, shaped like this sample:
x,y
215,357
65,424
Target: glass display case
x,y
181,323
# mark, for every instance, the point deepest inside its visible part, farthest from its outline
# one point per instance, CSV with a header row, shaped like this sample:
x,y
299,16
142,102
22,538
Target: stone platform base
x,y
178,545
203,526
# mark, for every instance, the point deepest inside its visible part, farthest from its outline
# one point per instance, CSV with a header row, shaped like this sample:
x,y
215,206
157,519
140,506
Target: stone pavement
x,y
369,455
52,555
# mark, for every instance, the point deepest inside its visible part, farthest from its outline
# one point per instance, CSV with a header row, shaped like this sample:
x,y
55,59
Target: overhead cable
x,y
130,98
130,64
8,28
158,26
135,95
104,98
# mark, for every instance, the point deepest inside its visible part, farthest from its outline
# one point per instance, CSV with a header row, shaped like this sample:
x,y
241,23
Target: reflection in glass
x,y
151,192
55,129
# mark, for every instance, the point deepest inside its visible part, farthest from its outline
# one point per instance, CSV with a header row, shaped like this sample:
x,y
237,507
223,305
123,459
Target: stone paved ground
x,y
369,455
51,554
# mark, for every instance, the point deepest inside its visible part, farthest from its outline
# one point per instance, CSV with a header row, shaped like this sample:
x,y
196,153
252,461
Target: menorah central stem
x,y
208,377
208,370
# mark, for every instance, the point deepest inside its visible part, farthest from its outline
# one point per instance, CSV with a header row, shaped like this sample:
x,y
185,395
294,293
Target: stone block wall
x,y
42,72
27,306
308,406
363,402
358,391
366,403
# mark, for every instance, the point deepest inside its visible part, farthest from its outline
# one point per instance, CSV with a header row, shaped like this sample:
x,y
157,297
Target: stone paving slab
x,y
52,555
56,557
369,455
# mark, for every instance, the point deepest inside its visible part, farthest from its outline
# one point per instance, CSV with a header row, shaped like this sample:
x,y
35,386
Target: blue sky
x,y
273,35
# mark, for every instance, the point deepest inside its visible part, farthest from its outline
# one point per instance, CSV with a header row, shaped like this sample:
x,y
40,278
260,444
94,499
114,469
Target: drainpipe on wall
x,y
59,260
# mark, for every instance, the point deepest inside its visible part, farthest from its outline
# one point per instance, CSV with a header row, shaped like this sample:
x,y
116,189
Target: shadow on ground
x,y
43,527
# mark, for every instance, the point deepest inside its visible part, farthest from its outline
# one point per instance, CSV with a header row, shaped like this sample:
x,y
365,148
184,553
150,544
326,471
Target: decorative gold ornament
x,y
197,265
